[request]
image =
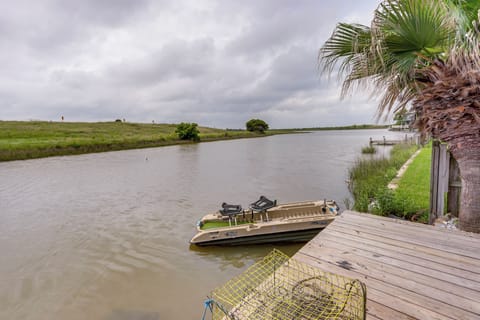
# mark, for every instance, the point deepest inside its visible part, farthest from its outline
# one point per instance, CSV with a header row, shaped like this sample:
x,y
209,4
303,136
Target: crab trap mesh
x,y
278,287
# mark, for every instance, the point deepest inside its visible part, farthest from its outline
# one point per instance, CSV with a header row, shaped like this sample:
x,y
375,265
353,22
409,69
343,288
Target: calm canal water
x,y
105,236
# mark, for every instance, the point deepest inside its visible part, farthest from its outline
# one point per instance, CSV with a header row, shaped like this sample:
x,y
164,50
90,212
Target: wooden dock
x,y
389,142
385,142
412,271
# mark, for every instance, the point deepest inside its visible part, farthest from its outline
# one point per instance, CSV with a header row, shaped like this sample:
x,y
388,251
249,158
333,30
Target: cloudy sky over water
x,y
217,63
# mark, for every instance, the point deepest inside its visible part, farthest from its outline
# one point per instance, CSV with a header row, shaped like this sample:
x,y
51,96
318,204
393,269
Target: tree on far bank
x,y
425,55
187,131
256,125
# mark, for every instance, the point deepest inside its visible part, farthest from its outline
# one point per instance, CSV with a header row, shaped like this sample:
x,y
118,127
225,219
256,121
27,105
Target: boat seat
x,y
230,210
262,205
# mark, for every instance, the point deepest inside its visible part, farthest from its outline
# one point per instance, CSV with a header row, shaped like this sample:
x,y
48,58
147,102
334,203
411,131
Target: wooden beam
x,y
454,188
438,180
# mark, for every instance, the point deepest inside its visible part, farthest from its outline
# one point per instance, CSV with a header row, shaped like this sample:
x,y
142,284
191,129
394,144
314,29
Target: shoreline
x,y
55,151
24,140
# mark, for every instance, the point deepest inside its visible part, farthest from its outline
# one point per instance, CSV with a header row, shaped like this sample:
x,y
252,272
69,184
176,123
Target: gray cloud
x,y
218,63
176,59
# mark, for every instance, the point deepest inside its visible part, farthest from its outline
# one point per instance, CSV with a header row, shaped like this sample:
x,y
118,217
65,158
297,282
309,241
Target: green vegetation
x,y
188,131
256,125
219,224
369,179
369,150
37,139
424,56
412,197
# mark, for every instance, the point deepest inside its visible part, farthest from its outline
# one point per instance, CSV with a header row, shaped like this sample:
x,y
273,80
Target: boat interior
x,y
265,210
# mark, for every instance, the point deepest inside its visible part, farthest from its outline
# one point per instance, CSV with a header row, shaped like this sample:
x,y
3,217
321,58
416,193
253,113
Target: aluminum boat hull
x,y
282,237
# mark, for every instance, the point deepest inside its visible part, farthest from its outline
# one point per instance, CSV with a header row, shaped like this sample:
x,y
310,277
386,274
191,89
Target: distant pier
x,y
388,142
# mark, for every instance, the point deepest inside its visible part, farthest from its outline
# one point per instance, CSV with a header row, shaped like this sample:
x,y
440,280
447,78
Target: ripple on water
x,y
118,267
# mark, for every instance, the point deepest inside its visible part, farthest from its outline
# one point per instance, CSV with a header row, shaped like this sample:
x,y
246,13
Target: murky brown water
x,y
105,236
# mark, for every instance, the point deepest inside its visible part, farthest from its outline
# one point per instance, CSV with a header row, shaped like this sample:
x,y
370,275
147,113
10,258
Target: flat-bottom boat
x,y
265,222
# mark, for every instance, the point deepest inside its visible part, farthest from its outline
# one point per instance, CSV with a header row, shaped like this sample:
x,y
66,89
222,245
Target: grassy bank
x,y
370,176
36,139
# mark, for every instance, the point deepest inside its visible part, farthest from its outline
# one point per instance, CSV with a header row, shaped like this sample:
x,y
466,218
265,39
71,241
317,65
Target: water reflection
x,y
241,257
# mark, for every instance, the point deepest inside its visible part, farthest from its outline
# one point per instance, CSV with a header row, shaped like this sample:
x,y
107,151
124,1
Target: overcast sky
x,y
217,63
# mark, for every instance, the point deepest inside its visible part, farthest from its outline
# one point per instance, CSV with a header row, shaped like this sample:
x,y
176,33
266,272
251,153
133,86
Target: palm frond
x,y
405,36
465,57
466,14
343,48
406,39
415,26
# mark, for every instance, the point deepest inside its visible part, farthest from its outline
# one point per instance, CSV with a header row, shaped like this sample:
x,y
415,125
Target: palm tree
x,y
425,55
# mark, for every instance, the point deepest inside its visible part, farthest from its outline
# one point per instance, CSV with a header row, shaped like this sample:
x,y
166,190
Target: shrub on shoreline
x,y
188,131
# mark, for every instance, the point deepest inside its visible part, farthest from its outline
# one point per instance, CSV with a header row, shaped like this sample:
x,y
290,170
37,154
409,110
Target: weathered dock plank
x,y
412,271
431,243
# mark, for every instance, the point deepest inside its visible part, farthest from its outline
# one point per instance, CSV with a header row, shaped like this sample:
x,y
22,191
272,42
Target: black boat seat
x,y
230,210
263,204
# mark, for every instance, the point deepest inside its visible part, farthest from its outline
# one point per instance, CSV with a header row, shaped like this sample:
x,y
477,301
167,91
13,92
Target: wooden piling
x,y
439,172
454,188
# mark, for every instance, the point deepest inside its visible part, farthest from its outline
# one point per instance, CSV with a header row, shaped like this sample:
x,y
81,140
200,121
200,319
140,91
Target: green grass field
x,y
36,139
413,192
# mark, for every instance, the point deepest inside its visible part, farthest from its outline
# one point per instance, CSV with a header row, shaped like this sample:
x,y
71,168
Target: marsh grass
x,y
369,150
369,177
36,139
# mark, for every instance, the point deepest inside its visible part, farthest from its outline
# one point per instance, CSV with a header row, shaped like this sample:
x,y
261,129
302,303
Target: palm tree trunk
x,y
469,163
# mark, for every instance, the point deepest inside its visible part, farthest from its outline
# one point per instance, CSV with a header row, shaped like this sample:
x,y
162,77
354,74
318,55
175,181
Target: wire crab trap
x,y
278,288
